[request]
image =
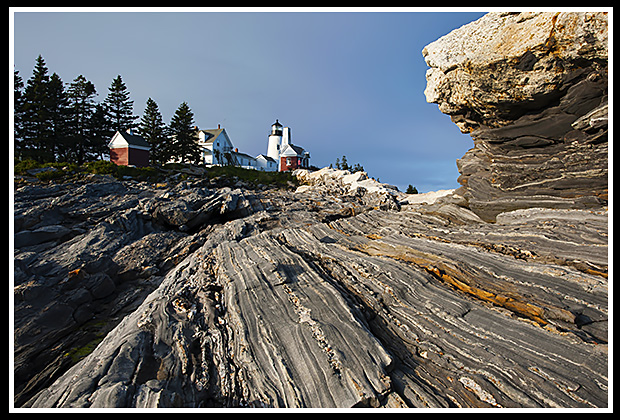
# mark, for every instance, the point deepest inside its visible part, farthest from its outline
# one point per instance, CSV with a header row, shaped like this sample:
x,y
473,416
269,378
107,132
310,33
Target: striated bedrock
x,y
327,296
531,89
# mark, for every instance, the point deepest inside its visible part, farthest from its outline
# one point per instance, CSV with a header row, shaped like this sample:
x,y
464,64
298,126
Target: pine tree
x,y
153,129
81,95
184,147
36,114
120,108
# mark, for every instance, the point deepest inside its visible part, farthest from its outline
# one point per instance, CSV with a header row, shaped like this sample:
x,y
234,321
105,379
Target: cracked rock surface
x,y
415,305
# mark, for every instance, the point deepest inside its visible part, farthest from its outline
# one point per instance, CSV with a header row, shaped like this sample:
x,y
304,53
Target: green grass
x,y
65,170
279,179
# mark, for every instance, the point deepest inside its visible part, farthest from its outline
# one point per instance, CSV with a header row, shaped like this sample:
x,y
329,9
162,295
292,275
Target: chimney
x,y
218,126
286,139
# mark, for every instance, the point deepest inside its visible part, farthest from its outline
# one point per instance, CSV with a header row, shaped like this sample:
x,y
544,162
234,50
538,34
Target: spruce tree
x,y
36,114
100,132
59,116
184,147
18,114
120,108
153,129
81,95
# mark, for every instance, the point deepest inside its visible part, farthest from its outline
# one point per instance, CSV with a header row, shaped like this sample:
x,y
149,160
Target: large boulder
x,y
531,89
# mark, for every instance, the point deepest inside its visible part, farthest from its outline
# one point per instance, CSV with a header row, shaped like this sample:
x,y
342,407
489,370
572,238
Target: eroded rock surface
x,y
317,299
531,88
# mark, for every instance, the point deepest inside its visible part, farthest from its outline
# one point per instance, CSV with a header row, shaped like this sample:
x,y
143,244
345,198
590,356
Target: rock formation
x,y
343,292
531,88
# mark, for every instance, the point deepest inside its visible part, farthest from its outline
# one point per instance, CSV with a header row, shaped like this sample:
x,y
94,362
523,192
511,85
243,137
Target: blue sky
x,y
347,83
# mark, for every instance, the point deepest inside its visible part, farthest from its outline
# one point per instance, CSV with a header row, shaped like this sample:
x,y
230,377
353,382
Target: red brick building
x,y
129,149
293,157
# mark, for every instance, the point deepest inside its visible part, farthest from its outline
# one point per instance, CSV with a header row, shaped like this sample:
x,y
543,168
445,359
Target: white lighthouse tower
x,y
275,138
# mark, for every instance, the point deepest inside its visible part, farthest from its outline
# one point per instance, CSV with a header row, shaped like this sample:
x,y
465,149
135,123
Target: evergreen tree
x,y
183,145
120,108
59,113
18,114
81,95
36,114
100,132
154,131
357,168
411,189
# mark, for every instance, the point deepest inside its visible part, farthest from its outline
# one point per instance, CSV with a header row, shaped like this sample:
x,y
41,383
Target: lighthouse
x,y
275,138
284,153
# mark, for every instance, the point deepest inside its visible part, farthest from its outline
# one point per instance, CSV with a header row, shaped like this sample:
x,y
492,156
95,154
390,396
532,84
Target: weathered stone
x,y
284,308
43,234
531,88
95,249
504,65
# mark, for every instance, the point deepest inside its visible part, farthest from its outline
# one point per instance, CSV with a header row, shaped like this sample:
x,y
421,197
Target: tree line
x,y
344,165
58,122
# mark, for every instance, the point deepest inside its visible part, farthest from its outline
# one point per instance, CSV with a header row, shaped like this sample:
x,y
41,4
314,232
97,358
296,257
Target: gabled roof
x,y
267,158
292,150
211,135
214,133
124,139
245,155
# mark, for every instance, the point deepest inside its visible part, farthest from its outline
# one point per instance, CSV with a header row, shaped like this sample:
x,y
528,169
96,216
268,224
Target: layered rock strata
x,y
531,89
319,298
88,253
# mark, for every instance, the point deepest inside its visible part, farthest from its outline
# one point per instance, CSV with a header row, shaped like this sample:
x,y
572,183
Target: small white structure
x,y
266,163
215,146
244,160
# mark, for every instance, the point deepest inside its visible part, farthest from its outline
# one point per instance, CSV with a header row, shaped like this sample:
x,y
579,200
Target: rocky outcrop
x,y
341,293
531,89
314,298
88,253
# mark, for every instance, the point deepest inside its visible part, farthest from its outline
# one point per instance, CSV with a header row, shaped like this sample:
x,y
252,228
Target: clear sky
x,y
347,83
